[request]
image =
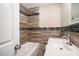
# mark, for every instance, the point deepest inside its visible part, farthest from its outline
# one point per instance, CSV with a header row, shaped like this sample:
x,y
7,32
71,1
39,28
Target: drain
x,y
61,48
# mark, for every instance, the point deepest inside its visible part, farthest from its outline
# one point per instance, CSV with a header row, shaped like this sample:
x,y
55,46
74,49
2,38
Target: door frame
x,y
15,25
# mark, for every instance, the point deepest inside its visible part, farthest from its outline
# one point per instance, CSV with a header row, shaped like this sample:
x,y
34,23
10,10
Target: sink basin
x,y
58,47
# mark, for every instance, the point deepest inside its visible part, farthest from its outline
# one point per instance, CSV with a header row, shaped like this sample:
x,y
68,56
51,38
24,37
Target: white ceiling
x,y
32,5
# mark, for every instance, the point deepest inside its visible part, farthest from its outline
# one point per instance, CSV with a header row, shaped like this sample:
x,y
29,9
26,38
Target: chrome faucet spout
x,y
67,37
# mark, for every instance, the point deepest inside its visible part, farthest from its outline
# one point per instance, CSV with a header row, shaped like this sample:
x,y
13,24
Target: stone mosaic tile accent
x,y
45,28
72,28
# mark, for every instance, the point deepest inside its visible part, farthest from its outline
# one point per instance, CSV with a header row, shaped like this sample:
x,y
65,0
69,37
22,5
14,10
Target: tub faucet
x,y
68,38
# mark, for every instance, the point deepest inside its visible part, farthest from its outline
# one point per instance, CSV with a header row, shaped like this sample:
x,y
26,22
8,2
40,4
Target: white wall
x,y
65,14
50,15
75,10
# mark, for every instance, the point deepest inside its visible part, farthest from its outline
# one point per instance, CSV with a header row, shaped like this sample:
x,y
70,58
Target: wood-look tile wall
x,y
33,21
42,36
33,10
23,10
23,21
23,36
33,18
27,20
23,25
75,38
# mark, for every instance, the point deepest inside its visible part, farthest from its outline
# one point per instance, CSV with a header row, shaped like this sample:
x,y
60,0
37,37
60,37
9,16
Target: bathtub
x,y
28,49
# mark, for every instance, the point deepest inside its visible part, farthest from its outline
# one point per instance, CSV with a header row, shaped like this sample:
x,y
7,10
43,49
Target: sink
x,y
59,47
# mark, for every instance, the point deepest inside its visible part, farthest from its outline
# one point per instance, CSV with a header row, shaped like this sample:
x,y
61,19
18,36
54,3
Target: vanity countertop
x,y
58,47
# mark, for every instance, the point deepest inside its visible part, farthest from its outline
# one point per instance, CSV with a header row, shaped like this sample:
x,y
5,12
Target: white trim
x,y
16,23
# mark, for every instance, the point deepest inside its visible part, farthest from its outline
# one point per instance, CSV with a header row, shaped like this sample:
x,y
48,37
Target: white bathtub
x,y
28,49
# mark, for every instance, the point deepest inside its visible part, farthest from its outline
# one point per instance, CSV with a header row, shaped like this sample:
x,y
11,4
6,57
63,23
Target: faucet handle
x,y
68,35
64,37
